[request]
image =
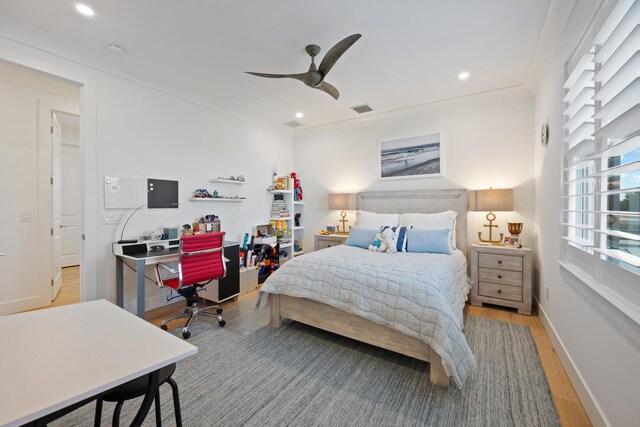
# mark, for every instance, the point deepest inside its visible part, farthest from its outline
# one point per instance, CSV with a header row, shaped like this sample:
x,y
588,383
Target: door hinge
x,y
52,282
52,231
83,237
51,128
51,180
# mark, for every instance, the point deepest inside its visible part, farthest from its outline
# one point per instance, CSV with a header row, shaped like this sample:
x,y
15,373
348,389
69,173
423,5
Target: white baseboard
x,y
582,389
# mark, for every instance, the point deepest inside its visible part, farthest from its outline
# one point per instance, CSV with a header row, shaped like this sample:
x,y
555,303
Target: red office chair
x,y
200,260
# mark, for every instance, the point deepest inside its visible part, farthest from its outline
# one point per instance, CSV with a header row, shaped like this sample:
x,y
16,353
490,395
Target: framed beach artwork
x,y
412,157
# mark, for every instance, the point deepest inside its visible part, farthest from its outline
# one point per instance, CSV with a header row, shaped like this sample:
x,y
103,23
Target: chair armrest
x,y
166,267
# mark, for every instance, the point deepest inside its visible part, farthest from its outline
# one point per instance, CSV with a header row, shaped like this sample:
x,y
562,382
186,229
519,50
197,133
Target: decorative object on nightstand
x,y
343,202
501,276
515,228
491,200
323,241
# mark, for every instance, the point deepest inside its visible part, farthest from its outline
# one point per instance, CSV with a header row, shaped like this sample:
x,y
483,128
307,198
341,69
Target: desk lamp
x,y
344,202
491,200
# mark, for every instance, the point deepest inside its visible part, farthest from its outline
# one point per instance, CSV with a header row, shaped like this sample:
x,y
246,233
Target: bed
x,y
409,303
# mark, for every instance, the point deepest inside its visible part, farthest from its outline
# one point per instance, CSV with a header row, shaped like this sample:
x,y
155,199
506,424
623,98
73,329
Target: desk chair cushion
x,y
138,387
199,268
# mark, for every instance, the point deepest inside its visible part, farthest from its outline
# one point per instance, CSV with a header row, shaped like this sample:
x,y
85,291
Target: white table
x,y
64,357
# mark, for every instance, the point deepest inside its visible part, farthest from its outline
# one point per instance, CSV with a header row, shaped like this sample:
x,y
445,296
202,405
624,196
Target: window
x,y
601,162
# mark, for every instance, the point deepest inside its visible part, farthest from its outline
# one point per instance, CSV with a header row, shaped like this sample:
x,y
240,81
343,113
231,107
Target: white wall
x,y
598,345
485,140
145,133
137,125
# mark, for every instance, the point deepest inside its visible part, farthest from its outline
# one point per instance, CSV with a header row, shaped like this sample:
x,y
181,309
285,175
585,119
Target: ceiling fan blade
x,y
303,77
273,76
326,87
336,52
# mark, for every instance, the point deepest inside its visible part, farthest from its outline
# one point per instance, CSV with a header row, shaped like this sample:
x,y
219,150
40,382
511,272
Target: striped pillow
x,y
400,234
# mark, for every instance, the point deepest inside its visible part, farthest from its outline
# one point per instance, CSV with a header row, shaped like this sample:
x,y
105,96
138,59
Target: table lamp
x,y
343,202
491,200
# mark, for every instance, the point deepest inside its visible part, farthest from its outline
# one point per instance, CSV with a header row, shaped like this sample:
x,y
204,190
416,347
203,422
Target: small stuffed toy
x,y
384,242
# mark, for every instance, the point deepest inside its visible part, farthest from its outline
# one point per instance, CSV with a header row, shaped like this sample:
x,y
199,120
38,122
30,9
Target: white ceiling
x,y
410,53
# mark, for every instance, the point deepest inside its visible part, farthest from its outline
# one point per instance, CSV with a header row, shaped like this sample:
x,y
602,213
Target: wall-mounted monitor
x,y
162,194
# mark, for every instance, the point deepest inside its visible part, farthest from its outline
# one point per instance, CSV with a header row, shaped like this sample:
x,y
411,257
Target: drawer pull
x,y
499,291
499,261
499,276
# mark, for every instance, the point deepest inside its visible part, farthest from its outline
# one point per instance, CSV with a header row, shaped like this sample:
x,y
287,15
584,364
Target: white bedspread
x,y
421,295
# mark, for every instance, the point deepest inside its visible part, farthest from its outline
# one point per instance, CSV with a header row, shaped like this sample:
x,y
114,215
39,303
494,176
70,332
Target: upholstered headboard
x,y
420,201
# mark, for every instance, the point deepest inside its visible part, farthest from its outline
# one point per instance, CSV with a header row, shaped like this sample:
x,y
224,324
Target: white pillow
x,y
435,221
375,220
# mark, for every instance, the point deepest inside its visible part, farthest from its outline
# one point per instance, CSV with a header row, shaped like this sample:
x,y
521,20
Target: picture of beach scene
x,y
410,157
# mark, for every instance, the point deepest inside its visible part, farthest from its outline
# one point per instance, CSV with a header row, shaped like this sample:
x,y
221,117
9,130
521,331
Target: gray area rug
x,y
248,374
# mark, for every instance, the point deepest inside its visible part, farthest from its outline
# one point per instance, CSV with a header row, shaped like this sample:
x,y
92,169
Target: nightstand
x,y
323,241
501,275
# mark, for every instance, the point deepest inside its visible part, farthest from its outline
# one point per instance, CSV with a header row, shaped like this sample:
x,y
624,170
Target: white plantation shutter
x,y
601,175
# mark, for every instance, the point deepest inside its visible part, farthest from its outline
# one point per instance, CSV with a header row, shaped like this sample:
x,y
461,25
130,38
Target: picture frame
x,y
410,157
512,241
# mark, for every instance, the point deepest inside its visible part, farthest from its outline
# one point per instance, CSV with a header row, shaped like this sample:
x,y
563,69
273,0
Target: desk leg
x,y
140,299
119,282
152,389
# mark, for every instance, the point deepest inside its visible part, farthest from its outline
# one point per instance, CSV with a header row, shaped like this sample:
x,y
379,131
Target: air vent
x,y
364,108
293,124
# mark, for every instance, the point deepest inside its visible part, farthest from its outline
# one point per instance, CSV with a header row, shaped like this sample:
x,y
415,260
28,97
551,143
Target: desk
x,y
230,285
58,359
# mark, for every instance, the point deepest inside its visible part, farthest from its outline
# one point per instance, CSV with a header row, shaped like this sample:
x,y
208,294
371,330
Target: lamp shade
x,y
342,201
490,200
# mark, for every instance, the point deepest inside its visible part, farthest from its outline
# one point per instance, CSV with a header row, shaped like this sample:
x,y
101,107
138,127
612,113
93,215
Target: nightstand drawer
x,y
323,244
505,277
502,262
494,290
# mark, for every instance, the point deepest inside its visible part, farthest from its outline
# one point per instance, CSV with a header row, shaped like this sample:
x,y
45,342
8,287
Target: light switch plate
x,y
111,217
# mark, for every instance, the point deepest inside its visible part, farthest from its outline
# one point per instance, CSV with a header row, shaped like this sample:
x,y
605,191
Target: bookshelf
x,y
282,218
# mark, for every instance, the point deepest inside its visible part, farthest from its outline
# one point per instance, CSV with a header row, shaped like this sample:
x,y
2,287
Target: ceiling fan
x,y
315,76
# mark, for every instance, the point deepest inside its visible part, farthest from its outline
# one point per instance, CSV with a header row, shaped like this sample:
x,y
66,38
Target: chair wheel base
x,y
186,335
163,327
222,323
218,310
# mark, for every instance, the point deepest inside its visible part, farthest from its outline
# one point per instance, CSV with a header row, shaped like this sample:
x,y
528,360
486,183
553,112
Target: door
x,y
70,190
56,241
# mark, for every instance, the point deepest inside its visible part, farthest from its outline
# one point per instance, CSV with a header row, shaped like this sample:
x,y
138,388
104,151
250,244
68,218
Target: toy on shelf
x,y
297,187
201,193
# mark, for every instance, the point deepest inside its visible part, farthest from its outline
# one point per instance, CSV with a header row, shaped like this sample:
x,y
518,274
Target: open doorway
x,y
30,168
67,197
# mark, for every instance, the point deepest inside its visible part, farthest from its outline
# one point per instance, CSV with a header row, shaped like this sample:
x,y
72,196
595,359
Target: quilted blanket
x,y
420,295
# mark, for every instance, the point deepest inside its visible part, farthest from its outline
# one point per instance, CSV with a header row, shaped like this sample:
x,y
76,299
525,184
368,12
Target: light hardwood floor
x,y
569,407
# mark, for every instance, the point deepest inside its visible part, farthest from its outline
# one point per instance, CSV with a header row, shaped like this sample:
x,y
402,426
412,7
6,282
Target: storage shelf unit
x,y
293,207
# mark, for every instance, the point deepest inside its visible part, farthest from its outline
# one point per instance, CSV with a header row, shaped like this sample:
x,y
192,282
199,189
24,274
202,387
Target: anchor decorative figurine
x,y
491,200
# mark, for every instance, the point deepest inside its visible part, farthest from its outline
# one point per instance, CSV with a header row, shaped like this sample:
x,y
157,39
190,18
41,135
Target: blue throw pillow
x,y
361,237
430,241
401,237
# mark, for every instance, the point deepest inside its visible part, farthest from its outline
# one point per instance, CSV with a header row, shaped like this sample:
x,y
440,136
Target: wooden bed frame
x,y
331,319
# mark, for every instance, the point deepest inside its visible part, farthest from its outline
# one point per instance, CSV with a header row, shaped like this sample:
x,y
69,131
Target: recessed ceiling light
x,y
463,76
84,9
299,115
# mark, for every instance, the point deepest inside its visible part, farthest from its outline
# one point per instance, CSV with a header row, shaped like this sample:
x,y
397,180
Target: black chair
x,y
137,388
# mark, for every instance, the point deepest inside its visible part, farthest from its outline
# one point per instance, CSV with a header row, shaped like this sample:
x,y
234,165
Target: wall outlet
x,y
547,291
112,217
